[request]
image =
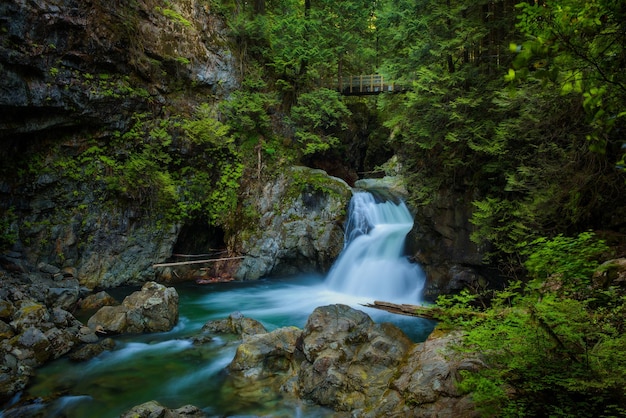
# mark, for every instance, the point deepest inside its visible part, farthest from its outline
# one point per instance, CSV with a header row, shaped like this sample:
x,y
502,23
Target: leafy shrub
x,y
552,349
315,115
8,233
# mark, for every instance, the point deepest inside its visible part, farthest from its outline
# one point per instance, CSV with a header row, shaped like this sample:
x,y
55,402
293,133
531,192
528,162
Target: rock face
x,y
153,309
425,385
299,228
75,76
345,361
440,242
81,41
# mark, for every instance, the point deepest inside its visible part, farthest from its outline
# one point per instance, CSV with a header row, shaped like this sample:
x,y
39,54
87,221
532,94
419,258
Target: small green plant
x,y
8,228
571,259
183,60
174,16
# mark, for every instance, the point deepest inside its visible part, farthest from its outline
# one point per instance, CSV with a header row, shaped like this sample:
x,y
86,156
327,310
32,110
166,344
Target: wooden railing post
x,y
366,84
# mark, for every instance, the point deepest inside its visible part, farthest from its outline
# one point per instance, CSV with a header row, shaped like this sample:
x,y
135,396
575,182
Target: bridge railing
x,y
366,84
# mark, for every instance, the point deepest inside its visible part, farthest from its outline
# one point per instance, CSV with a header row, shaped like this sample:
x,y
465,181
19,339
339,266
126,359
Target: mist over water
x,y
169,368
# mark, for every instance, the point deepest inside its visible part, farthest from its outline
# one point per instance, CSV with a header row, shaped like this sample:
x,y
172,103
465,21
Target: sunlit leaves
x,y
581,46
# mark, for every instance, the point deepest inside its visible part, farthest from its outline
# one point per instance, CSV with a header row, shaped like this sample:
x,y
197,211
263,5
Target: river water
x,y
169,368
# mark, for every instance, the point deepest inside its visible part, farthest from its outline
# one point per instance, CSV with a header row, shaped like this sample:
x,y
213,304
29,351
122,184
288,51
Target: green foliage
x,y
315,115
247,110
8,232
579,46
174,16
553,347
567,257
522,148
211,179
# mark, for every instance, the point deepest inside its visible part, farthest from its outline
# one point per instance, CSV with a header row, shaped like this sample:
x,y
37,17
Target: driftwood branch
x,y
428,312
182,263
213,252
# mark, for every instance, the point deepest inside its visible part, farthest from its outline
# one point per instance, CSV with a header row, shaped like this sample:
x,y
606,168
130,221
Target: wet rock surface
x,y
152,309
300,226
36,324
236,323
345,361
153,409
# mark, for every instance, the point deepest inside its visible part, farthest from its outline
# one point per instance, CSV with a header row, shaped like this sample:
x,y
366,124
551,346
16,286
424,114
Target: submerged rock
x,y
236,324
89,351
153,409
152,309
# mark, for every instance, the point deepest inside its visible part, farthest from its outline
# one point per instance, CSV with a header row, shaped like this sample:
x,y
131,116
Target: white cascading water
x,y
372,263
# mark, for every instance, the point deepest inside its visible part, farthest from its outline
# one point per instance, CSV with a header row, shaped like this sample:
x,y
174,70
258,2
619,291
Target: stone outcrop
x,y
75,76
345,361
349,358
426,383
152,309
299,230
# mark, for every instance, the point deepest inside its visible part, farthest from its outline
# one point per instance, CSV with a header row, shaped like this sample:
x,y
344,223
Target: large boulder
x,y
265,365
344,361
152,309
426,384
299,230
349,358
610,273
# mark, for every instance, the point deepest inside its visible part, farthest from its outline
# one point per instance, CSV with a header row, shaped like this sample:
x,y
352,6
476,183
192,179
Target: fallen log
x,y
428,312
434,313
182,263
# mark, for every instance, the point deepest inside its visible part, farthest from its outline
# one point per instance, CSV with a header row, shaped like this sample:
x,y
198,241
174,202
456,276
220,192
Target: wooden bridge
x,y
362,85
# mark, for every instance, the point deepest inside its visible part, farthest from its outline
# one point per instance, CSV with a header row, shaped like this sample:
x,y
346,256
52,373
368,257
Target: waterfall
x,y
372,263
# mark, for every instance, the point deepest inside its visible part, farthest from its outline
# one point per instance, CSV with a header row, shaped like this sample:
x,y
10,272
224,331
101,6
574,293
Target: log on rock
x,y
428,312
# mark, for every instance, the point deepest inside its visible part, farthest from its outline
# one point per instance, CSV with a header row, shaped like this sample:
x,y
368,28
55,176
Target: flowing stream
x,y
169,368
